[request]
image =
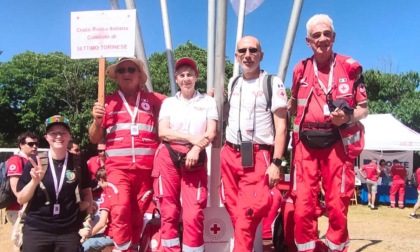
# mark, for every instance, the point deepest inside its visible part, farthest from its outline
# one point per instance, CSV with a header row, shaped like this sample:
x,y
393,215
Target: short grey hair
x,y
316,19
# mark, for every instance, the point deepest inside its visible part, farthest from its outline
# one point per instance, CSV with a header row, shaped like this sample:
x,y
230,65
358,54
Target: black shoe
x,y
373,208
413,216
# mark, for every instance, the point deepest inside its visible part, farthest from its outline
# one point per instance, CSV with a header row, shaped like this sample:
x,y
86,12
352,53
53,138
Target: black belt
x,y
318,125
257,147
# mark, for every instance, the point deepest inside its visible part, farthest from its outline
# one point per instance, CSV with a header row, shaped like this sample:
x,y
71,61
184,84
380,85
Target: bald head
x,y
249,55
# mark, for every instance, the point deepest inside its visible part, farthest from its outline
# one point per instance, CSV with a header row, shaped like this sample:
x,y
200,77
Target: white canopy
x,y
385,132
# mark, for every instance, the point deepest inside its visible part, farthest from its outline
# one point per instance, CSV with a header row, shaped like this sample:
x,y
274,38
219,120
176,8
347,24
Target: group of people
x,y
397,175
155,146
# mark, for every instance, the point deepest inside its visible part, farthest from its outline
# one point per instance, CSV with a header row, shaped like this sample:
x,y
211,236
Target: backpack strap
x,y
268,89
234,82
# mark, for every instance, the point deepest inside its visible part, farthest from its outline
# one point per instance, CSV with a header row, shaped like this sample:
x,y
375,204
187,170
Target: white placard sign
x,y
97,34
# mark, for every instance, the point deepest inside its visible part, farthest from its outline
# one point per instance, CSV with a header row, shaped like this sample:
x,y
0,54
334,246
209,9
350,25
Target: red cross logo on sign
x,y
215,229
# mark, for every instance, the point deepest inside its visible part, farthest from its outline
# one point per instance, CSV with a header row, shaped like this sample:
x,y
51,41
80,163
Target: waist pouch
x,y
179,158
319,138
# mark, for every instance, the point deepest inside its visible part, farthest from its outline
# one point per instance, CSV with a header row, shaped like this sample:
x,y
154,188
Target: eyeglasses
x,y
251,50
31,144
55,134
130,70
100,151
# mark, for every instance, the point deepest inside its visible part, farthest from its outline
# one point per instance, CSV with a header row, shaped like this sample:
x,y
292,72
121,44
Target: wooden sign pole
x,y
101,81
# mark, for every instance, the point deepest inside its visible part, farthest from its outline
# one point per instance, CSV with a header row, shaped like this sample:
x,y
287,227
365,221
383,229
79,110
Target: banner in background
x,y
97,34
404,157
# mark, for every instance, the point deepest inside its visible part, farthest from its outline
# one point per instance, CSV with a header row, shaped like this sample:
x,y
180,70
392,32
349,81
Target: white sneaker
x,y
413,216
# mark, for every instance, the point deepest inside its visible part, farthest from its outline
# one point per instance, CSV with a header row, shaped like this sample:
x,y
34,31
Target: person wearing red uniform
x,y
100,240
371,173
416,176
329,99
93,164
28,145
399,176
128,121
245,186
187,124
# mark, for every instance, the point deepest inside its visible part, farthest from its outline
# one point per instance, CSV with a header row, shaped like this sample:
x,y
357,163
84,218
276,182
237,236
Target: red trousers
x,y
335,170
245,193
172,184
134,196
400,188
267,232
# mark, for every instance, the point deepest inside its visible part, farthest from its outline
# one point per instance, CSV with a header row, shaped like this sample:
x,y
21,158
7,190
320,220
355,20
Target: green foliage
x,y
397,94
159,69
37,86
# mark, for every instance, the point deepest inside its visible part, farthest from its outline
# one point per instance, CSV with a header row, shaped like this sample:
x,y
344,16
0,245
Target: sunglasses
x,y
31,144
100,151
251,50
130,70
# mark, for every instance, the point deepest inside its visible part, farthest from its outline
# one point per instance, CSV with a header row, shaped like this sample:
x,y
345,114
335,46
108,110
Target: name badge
x,y
56,210
326,110
134,129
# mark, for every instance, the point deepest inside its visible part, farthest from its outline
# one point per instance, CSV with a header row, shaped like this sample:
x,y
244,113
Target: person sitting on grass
x,y
98,240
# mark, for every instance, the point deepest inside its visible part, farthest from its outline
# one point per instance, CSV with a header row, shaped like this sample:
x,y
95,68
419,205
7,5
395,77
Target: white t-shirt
x,y
255,122
189,116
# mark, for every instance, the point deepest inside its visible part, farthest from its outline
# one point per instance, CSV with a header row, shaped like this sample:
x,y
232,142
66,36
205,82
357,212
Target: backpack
x,y
267,88
7,197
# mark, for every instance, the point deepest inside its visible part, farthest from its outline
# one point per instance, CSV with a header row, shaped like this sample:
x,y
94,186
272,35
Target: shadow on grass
x,y
369,243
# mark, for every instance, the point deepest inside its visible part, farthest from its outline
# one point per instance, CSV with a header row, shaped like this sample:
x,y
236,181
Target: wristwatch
x,y
277,162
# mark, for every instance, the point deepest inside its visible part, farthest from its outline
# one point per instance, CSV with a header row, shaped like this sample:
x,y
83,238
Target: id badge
x,y
56,210
326,110
134,130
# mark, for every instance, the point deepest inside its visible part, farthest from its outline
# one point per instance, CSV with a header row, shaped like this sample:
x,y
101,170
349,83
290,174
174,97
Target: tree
x,y
37,86
396,94
159,70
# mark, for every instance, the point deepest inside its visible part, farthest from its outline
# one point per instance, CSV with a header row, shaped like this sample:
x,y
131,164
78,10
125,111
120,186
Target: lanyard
x,y
136,108
330,77
57,186
239,137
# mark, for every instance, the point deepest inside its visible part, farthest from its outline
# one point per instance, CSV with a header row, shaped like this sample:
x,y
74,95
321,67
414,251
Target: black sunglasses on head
x,y
31,144
122,70
251,50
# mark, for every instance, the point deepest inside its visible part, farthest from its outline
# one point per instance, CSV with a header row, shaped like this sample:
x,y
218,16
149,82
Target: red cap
x,y
186,62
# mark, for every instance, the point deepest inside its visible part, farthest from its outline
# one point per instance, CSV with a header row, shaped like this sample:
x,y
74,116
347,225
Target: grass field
x,y
382,230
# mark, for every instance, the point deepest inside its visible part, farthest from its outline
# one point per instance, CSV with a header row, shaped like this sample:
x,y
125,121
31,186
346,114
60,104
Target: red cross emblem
x,y
215,229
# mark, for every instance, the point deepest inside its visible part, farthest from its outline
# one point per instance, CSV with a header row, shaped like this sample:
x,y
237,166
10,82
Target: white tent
x,y
385,132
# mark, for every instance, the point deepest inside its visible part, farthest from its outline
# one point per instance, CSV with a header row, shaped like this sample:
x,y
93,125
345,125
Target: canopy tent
x,y
384,132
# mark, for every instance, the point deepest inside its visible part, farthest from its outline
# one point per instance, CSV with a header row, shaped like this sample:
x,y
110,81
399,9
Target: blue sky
x,y
380,34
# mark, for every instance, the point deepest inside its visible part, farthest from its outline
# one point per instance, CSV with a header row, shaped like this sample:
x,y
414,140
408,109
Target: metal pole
x,y
239,31
168,44
290,37
219,86
114,4
140,52
211,20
